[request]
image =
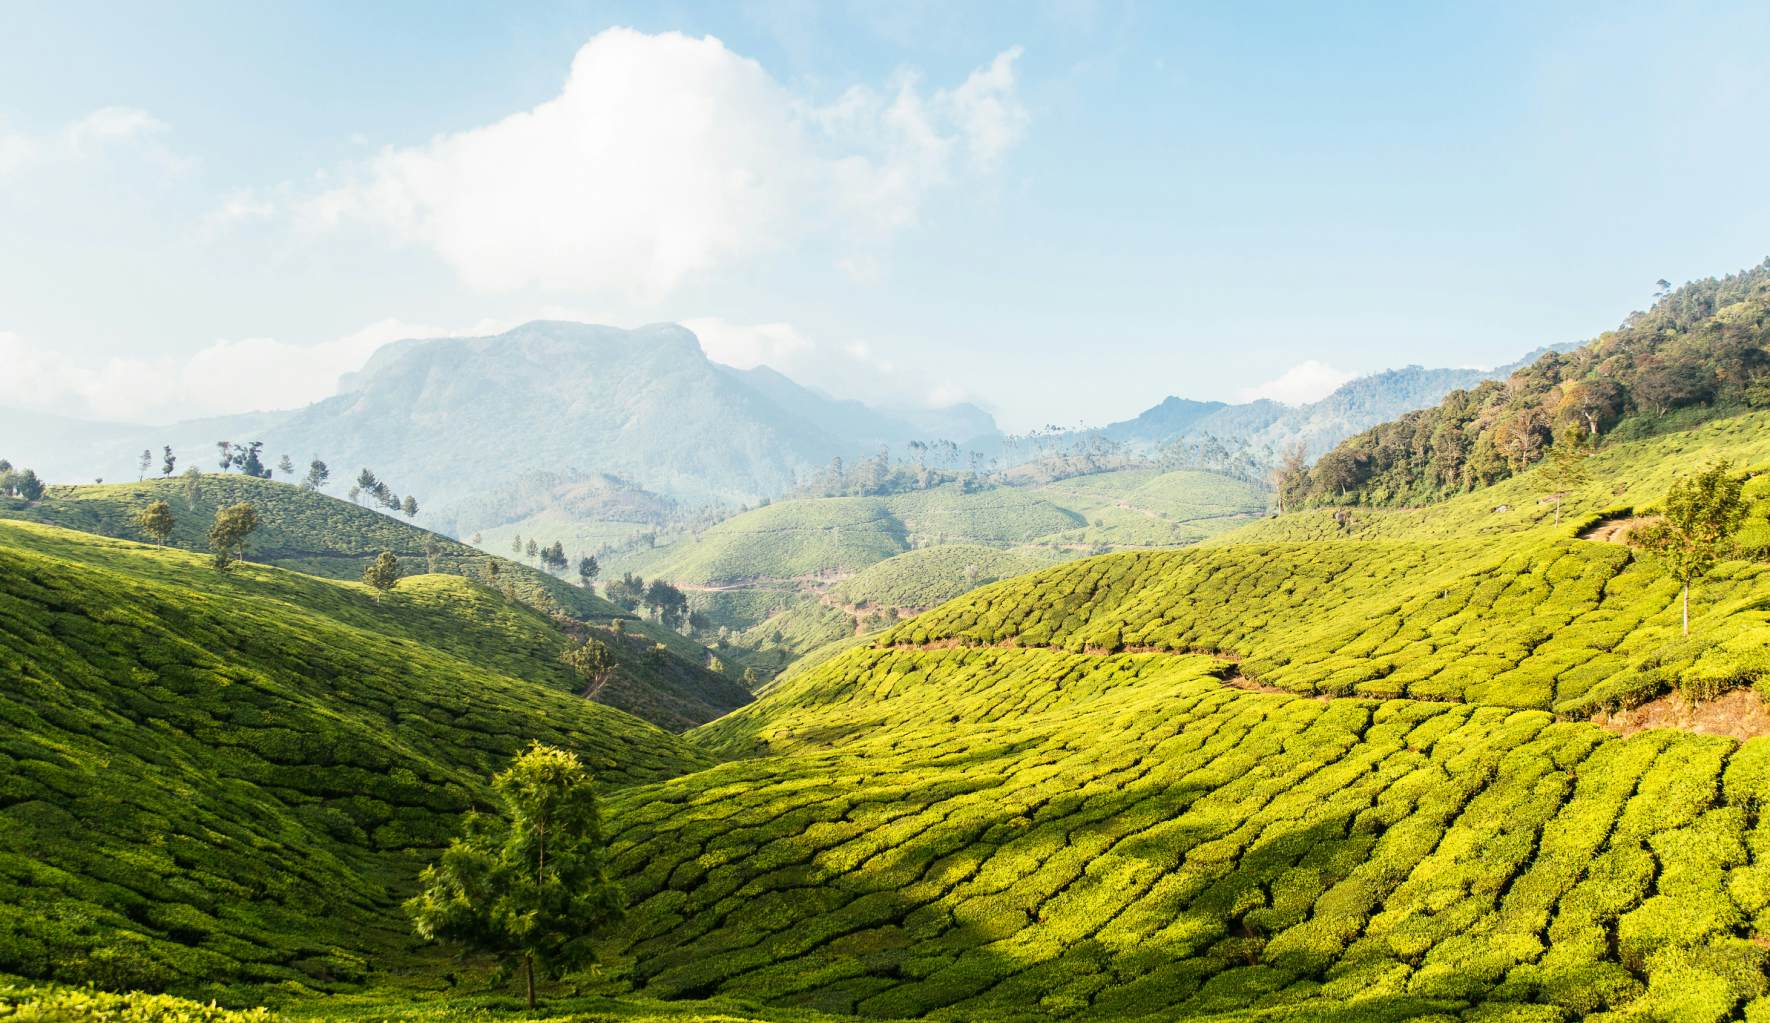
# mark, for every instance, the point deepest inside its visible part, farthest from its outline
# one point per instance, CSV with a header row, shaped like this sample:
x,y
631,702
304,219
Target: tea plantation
x,y
208,780
320,535
1348,764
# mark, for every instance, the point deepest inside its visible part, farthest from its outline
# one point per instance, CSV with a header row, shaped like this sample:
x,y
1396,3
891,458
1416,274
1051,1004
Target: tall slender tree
x,y
1702,511
526,883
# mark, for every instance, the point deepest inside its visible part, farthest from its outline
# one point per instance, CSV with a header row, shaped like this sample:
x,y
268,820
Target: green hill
x,y
1452,762
320,535
212,779
786,578
1062,794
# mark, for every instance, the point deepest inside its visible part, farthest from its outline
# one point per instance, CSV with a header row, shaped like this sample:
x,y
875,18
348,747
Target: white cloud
x,y
776,345
234,375
1303,383
88,136
665,157
847,369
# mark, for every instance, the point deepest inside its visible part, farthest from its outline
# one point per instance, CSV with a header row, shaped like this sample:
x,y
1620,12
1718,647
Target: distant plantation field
x,y
778,578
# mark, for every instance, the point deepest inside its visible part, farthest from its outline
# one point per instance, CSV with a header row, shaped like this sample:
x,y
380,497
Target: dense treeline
x,y
1705,345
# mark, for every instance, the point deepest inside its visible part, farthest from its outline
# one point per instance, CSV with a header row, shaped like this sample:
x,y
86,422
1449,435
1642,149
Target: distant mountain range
x,y
631,417
1268,426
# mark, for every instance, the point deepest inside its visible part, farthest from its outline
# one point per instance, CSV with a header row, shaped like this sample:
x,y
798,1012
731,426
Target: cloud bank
x,y
239,375
666,156
1303,383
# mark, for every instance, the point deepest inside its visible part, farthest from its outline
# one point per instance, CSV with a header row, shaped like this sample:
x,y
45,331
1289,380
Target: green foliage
x,y
156,521
529,882
228,535
383,572
1702,511
1701,349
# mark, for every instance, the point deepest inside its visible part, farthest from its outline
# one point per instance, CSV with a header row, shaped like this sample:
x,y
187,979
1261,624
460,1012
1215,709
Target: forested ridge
x,y
1703,349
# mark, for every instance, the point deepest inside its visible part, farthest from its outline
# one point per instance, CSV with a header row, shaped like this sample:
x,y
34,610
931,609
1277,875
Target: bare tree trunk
x,y
528,968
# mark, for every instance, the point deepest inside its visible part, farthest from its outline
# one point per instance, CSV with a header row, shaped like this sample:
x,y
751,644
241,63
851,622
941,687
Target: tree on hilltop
x,y
156,521
168,461
1702,511
286,465
246,457
224,451
588,570
142,463
317,475
409,506
227,536
527,882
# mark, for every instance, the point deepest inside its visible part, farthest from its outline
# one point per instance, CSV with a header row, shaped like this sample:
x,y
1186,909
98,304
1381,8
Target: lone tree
x,y
142,463
168,461
383,572
317,475
1565,468
224,454
409,506
227,537
594,662
588,570
286,465
156,521
528,882
1701,513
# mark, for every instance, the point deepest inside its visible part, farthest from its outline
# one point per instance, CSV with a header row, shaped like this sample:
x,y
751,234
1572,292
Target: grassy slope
x,y
777,570
320,535
989,833
235,777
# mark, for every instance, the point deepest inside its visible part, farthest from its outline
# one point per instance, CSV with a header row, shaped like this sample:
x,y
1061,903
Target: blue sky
x,y
1064,211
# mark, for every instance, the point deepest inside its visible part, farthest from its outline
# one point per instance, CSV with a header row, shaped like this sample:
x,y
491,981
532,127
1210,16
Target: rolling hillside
x,y
1447,762
1266,778
209,780
778,580
319,535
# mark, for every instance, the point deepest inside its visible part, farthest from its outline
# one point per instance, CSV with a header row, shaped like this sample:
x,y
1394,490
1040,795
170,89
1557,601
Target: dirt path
x,y
1615,530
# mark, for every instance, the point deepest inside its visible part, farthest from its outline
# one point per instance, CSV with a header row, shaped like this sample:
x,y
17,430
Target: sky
x,y
1063,211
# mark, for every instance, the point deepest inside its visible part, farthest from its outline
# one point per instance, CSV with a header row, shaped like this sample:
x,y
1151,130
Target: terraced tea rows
x,y
1130,838
214,780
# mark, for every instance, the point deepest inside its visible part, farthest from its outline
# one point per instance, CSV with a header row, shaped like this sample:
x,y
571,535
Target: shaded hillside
x,y
320,535
1700,351
210,779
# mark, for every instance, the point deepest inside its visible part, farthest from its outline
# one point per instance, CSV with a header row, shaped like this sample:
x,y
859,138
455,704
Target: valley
x,y
1121,745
